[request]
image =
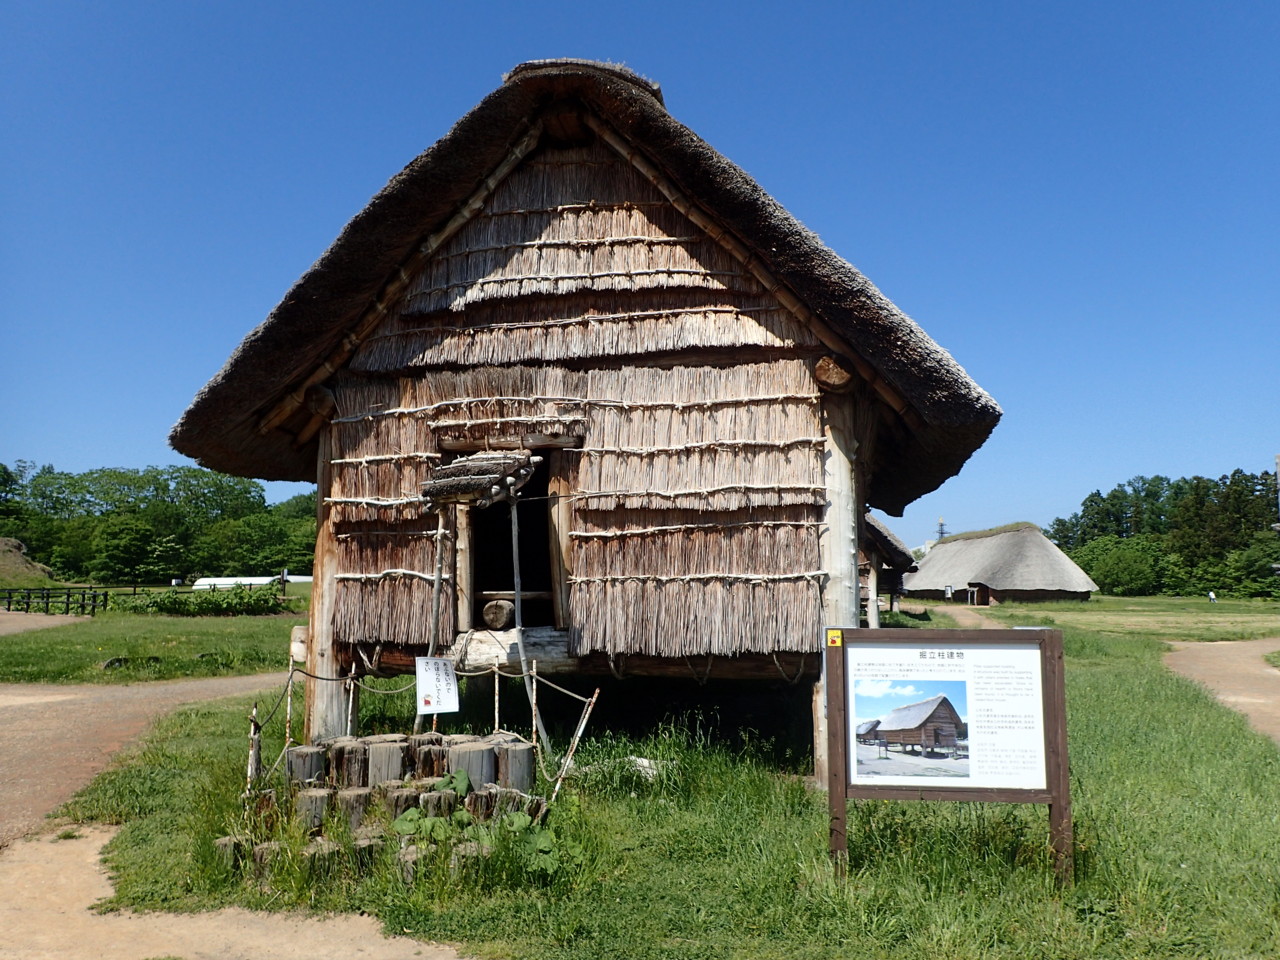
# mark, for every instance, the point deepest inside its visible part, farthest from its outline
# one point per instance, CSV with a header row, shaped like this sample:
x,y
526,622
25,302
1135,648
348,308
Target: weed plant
x,y
692,843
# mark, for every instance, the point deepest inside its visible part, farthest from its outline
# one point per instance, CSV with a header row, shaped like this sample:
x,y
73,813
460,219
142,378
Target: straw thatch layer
x,y
316,328
695,617
384,581
578,327
1017,561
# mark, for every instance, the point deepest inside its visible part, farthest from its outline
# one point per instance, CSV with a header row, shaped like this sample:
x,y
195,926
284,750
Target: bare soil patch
x,y
1236,673
51,885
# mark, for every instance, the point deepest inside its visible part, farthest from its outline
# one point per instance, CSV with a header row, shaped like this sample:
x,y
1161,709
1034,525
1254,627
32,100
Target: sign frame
x,y
839,641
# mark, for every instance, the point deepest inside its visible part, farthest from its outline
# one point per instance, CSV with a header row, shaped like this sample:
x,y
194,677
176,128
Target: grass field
x,y
1159,618
149,648
724,853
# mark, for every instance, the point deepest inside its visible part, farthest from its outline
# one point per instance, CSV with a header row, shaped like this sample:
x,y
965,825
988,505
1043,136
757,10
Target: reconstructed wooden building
x,y
702,397
928,725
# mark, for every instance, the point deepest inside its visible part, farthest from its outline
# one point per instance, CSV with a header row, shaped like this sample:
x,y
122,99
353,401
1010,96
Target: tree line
x,y
1154,535
124,526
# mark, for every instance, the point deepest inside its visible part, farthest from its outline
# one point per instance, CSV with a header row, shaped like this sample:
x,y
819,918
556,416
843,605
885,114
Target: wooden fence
x,y
49,600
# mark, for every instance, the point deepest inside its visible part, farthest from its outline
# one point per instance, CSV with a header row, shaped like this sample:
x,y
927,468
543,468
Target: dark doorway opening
x,y
493,572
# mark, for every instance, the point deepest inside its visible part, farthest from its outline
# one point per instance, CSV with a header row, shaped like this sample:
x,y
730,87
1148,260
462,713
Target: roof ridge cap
x,y
559,65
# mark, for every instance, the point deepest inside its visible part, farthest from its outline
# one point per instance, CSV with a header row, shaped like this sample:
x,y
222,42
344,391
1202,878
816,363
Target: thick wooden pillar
x,y
838,543
326,702
873,593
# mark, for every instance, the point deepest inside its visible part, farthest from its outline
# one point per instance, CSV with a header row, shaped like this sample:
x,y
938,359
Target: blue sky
x,y
1079,202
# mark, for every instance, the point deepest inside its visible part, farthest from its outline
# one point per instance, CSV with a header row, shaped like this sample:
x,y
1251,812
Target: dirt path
x,y
1236,674
80,728
53,741
49,886
11,622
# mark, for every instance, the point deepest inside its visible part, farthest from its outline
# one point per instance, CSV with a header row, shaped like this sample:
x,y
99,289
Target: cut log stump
x,y
354,804
477,758
400,800
311,805
515,766
306,764
385,760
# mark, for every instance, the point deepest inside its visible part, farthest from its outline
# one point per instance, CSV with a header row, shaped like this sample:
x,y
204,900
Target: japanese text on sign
x,y
437,685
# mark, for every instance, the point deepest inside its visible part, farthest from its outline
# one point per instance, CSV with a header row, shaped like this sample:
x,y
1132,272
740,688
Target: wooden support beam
x,y
325,701
526,441
838,546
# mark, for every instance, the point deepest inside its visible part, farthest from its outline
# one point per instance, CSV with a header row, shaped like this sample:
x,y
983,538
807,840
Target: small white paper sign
x,y
437,685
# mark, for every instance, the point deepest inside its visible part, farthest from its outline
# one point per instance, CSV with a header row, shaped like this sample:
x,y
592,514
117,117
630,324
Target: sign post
x,y
977,715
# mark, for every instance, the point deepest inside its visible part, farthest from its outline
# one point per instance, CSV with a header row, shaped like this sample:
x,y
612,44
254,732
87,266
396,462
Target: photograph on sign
x,y
437,685
971,715
911,727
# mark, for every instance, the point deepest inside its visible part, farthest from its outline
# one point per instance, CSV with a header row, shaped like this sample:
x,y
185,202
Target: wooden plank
x,y
464,568
560,521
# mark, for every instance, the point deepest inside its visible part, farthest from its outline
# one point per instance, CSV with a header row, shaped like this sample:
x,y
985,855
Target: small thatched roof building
x,y
699,398
1016,562
883,560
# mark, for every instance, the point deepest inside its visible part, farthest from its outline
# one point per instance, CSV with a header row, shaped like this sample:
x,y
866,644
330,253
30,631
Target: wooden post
x,y
837,751
560,519
838,543
1061,837
462,570
873,593
326,706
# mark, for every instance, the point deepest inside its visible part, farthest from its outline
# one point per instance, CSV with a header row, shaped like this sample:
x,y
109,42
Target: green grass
x,y
1159,618
724,855
152,648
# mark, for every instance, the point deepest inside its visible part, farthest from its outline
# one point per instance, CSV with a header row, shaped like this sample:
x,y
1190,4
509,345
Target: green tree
x,y
1133,567
122,550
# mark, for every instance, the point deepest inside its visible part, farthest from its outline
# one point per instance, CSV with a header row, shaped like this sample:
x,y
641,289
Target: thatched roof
x,y
912,715
893,552
943,415
1016,557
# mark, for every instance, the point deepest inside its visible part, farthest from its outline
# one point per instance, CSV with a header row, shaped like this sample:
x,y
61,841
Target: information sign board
x,y
948,715
437,685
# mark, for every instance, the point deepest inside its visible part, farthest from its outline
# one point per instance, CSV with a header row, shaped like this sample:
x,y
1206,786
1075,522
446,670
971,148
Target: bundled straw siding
x,y
695,488
573,220
384,582
615,268
709,584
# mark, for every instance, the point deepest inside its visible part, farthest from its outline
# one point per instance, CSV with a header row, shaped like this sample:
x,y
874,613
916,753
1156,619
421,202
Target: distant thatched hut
x,y
883,560
1016,562
699,398
928,725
